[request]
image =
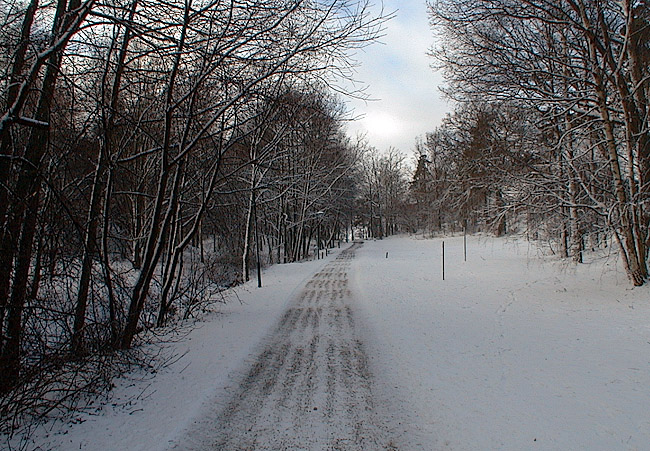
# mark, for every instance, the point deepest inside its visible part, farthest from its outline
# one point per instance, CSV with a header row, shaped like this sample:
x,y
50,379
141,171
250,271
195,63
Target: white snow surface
x,y
512,351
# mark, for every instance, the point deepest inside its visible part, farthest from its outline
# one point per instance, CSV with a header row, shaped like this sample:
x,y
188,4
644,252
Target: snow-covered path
x,y
310,388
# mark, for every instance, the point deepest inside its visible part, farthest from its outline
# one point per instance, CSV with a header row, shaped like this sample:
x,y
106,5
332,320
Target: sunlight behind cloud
x,y
405,101
382,125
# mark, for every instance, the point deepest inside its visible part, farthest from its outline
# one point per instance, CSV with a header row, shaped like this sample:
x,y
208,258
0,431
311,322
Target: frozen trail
x,y
310,388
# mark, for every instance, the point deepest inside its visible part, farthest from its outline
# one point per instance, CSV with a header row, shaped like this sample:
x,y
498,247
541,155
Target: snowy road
x,y
310,388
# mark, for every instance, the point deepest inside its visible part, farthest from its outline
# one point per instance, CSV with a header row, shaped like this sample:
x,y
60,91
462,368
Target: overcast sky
x,y
398,74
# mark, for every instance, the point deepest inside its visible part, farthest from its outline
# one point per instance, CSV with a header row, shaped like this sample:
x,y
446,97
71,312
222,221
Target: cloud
x,y
398,74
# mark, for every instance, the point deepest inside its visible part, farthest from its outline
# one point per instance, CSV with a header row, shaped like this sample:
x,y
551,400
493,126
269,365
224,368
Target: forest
x,y
551,131
156,153
153,153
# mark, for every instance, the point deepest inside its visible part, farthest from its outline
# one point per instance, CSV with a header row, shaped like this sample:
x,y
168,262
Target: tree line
x,y
552,124
136,133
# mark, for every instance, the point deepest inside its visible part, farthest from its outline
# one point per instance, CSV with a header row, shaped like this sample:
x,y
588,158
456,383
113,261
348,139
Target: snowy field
x,y
509,352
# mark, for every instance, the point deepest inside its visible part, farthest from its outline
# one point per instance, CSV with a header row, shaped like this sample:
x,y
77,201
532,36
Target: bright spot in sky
x,y
382,124
404,100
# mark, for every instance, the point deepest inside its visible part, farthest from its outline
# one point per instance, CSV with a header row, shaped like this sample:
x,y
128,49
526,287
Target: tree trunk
x,y
636,268
90,247
248,233
10,359
155,243
27,195
112,305
7,238
628,249
89,251
159,223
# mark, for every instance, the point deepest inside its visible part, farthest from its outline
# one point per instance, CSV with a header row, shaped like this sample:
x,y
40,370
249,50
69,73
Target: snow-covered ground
x,y
509,352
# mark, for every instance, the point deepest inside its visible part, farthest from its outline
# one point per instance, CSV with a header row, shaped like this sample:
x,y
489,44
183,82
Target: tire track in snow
x,y
310,388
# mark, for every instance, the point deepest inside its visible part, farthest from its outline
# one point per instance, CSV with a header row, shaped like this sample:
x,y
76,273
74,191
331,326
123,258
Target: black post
x,y
443,260
318,241
257,242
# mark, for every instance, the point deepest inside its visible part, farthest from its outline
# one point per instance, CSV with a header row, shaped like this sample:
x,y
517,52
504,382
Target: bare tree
x,y
576,64
127,128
